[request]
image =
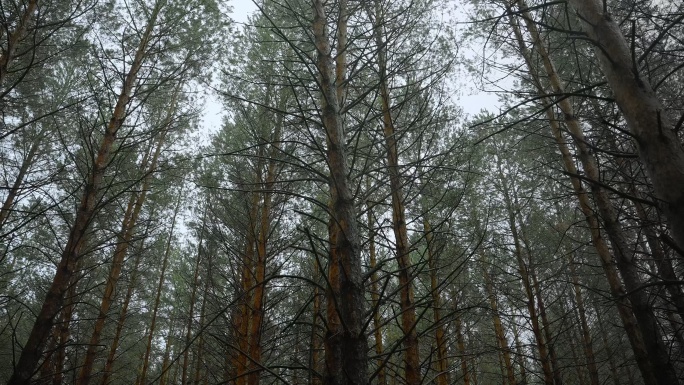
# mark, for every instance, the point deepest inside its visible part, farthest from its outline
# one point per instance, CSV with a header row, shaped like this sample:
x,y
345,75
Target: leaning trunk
x,y
659,148
73,251
617,291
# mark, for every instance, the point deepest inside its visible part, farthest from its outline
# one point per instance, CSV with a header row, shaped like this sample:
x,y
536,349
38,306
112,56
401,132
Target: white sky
x,y
241,9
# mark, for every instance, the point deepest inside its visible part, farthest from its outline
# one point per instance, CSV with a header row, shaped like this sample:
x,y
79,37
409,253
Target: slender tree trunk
x,y
241,322
63,330
167,352
13,191
13,39
460,344
200,346
663,264
440,337
259,289
520,353
191,313
128,225
123,314
643,312
315,377
32,351
160,287
578,365
346,351
609,352
408,307
524,272
375,299
546,326
502,342
587,343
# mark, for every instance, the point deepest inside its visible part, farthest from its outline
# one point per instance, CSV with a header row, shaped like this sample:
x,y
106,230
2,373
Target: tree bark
x,y
659,148
440,335
375,300
123,314
73,250
587,343
160,287
460,344
520,353
13,39
617,291
128,225
191,313
643,312
402,246
498,326
524,272
200,346
346,351
63,329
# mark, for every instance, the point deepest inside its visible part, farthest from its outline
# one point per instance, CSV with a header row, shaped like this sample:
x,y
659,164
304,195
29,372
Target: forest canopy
x,y
351,215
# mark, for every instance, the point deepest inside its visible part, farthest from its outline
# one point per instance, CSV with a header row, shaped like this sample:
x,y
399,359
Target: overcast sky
x,y
241,9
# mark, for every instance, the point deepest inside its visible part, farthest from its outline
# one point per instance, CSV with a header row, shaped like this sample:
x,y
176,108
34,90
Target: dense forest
x,y
344,222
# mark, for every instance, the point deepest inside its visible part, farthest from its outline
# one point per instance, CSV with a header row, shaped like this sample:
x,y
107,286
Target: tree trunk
x,y
346,351
32,351
520,353
617,291
13,39
646,320
160,287
200,346
128,224
64,331
241,320
546,326
375,300
109,364
163,379
524,272
498,326
587,343
440,338
256,318
460,344
408,307
315,377
659,148
609,352
191,313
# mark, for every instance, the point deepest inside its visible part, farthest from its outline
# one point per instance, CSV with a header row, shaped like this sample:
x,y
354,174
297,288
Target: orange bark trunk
x,y
402,248
109,364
